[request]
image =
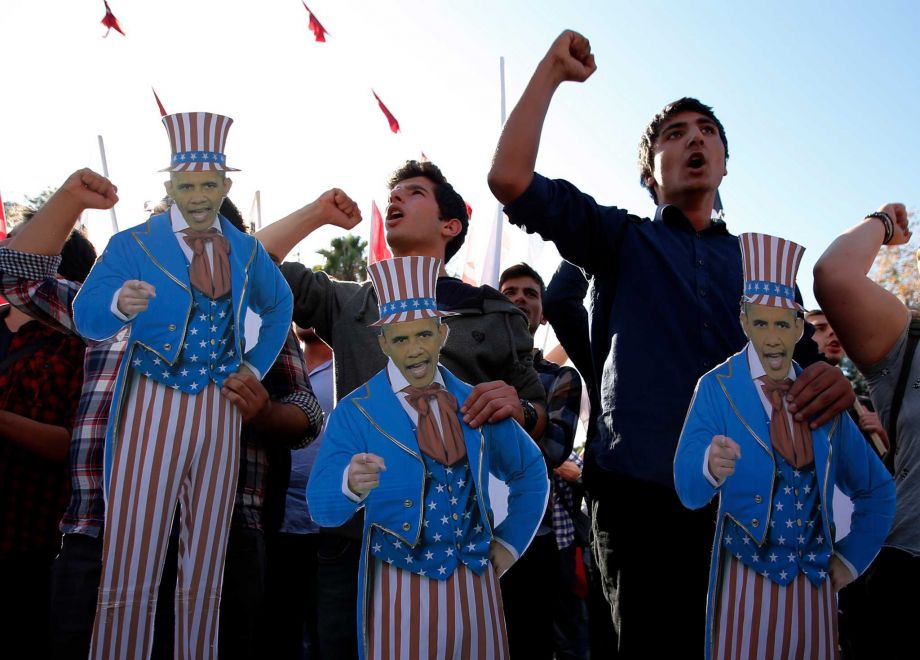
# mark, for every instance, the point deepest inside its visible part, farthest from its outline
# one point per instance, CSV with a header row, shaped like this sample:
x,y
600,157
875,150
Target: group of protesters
x,y
168,489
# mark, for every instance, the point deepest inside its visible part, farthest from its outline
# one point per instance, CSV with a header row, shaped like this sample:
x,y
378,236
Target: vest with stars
x,y
452,530
795,542
208,353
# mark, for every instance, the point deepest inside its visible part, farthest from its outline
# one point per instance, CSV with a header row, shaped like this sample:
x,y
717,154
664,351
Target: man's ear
x,y
444,330
451,228
382,342
228,183
742,318
800,325
169,188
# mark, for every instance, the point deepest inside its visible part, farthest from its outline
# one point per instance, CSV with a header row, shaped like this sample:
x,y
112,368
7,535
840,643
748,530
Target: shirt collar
x,y
756,366
672,215
179,223
323,366
398,382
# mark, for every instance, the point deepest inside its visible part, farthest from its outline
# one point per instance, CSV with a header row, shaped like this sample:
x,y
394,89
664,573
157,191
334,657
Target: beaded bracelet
x,y
886,220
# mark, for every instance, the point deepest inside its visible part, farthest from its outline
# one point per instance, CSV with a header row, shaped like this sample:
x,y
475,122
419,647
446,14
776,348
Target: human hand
x,y
134,296
569,471
571,58
338,209
247,393
500,557
364,473
820,390
839,574
88,190
723,454
492,402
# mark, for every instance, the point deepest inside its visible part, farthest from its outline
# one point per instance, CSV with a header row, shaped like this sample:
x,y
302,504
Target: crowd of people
x,y
181,479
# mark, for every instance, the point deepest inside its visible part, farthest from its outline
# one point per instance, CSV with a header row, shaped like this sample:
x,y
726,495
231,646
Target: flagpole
x,y
490,270
256,211
105,172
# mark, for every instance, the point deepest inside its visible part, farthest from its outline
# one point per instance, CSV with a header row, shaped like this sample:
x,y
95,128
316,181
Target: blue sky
x,y
818,99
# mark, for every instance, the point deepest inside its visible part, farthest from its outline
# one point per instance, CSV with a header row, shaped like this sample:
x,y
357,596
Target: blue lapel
x,y
744,400
157,240
377,402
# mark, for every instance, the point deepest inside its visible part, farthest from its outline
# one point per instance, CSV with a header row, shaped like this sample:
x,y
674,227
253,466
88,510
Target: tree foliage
x,y
896,268
345,258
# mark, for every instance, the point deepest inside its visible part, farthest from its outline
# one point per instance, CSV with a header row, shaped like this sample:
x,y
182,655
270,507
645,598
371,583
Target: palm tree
x,y
345,259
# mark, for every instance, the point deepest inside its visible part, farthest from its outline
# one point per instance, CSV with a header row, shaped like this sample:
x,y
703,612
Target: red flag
x,y
379,249
425,158
110,21
394,125
315,26
159,105
2,221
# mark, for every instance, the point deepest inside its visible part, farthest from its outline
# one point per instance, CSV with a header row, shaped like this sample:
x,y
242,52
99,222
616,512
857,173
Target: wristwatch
x,y
530,415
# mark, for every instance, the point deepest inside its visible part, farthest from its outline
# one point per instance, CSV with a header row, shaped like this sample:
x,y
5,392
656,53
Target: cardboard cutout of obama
x,y
398,448
181,281
774,558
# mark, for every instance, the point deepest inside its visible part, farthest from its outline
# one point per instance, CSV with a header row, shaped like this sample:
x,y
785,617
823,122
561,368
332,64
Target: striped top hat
x,y
405,289
197,140
770,267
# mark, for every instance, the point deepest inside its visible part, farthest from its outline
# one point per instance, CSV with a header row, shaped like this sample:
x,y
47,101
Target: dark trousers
x,y
653,555
291,597
337,559
529,591
570,627
878,615
74,590
26,581
242,597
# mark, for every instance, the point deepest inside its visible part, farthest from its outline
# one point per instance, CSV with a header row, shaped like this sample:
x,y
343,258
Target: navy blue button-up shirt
x,y
664,311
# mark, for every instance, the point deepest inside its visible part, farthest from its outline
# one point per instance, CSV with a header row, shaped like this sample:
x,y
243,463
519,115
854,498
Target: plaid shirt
x,y
563,403
563,502
28,281
287,382
42,386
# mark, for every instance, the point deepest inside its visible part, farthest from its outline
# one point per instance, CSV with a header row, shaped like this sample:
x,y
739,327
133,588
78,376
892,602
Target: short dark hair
x,y
77,254
652,131
229,210
450,203
522,270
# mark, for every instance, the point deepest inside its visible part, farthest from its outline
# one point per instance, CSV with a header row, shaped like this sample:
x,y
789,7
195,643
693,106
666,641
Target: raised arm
x,y
867,319
569,58
48,230
333,207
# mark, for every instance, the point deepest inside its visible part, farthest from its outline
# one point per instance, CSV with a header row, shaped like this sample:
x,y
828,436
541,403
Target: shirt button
x,y
799,522
796,491
172,327
406,527
699,262
167,347
455,518
755,523
450,489
758,499
213,341
407,504
703,292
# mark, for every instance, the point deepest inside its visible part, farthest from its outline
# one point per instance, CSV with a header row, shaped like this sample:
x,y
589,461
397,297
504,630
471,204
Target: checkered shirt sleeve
x,y
29,282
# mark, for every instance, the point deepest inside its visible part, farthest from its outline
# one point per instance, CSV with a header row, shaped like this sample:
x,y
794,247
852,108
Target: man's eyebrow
x,y
676,124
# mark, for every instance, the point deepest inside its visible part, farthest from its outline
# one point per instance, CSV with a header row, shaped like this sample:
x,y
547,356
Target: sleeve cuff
x,y
711,479
508,548
116,311
28,265
346,491
850,567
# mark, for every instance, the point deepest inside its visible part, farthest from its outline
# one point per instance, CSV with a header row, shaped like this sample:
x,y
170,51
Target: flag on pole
x,y
319,32
159,105
394,125
717,209
379,250
2,220
110,21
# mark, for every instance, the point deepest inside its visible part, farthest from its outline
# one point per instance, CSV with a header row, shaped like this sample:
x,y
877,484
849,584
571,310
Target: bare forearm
x,y
282,423
45,440
853,252
516,154
48,230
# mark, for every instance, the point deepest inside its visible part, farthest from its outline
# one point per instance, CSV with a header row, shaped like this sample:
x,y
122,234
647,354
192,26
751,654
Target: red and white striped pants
x,y
173,447
418,618
756,619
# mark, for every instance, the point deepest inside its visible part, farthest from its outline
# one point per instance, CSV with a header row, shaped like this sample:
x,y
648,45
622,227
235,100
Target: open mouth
x,y
394,214
696,160
419,369
775,359
200,214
